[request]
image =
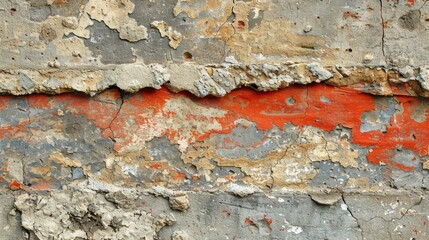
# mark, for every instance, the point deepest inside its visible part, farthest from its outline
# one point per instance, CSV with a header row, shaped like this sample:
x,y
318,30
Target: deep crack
x,y
226,41
353,216
382,32
29,139
122,97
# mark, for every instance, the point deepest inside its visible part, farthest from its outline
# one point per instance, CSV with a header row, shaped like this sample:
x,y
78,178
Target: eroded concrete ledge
x,y
215,80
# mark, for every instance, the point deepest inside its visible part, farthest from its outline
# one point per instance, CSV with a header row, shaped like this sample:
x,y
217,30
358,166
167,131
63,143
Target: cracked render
x,y
214,119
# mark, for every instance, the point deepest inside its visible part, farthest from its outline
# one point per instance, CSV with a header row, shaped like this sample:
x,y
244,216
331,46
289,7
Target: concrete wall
x,y
214,119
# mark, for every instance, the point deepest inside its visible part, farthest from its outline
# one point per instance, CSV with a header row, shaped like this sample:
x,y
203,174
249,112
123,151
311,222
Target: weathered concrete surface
x,y
85,215
10,219
211,47
214,119
224,216
334,143
299,138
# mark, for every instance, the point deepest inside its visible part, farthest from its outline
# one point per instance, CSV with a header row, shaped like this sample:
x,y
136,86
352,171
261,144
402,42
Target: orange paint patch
x,y
230,178
42,186
3,102
156,166
410,3
41,101
144,113
178,176
102,109
14,185
19,131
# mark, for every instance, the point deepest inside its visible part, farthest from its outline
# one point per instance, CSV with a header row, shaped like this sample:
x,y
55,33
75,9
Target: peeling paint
x,y
211,119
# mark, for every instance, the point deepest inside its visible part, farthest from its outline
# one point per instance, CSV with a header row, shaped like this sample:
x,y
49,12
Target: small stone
x,y
343,71
368,58
426,165
308,28
70,22
325,198
241,191
406,71
180,235
231,59
15,51
12,212
179,203
60,112
317,70
76,54
121,200
54,64
423,77
26,82
77,173
163,220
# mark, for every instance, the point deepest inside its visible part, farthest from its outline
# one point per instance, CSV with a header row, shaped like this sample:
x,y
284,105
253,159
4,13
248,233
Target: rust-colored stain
x,y
249,221
269,221
228,214
42,186
59,2
351,15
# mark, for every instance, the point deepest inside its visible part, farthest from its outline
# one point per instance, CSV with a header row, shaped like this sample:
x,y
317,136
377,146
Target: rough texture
x,y
291,216
159,138
71,215
214,119
57,46
307,139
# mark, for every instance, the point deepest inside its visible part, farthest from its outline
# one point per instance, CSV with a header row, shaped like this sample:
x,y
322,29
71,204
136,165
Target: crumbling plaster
x,y
214,119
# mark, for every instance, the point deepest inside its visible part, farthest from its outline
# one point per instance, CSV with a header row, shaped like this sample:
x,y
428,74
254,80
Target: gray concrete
x,y
278,216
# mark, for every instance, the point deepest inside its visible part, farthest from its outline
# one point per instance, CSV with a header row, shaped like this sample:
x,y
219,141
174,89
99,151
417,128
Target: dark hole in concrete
x,y
290,101
254,86
187,56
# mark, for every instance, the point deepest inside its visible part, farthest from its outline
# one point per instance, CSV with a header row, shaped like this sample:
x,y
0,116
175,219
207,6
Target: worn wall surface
x,y
214,119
